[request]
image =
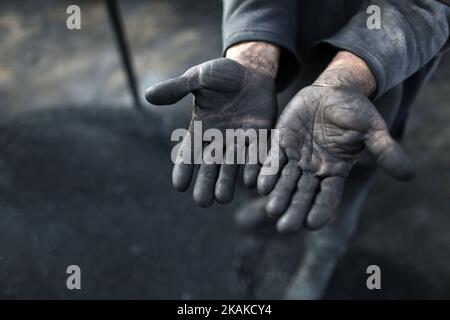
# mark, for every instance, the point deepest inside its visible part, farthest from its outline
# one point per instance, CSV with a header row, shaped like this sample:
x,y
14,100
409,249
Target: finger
x,y
173,90
182,176
227,176
390,156
206,181
281,195
251,169
251,172
300,204
184,164
269,173
226,183
328,199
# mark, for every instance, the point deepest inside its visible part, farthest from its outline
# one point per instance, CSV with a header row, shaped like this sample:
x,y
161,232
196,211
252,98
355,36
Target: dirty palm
x,y
322,132
227,95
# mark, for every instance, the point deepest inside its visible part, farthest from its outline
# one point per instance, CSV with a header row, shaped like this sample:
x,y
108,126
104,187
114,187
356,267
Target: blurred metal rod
x,y
124,50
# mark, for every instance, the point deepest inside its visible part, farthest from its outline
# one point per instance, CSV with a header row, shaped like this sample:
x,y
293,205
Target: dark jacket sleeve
x,y
412,33
273,21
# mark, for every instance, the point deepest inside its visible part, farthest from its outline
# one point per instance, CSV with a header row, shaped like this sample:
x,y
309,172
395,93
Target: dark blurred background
x,y
85,178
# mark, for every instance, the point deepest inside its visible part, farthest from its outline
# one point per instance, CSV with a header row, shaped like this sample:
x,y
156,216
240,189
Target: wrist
x,y
262,57
348,70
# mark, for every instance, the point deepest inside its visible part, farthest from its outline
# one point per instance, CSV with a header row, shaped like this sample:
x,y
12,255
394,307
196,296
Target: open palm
x,y
321,134
227,96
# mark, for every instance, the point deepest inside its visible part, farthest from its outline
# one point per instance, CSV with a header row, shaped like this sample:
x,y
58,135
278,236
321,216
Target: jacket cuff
x,y
412,32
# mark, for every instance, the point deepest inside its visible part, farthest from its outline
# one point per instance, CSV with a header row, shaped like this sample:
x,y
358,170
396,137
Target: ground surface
x,y
85,180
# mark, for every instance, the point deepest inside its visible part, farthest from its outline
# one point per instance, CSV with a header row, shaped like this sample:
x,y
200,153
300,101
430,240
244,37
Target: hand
x,y
322,131
228,95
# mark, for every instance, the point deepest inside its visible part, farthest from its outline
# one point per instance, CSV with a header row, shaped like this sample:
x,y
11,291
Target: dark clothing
x,y
310,32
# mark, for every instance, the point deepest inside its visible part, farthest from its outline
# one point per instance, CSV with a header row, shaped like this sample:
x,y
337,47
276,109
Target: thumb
x,y
173,90
390,155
